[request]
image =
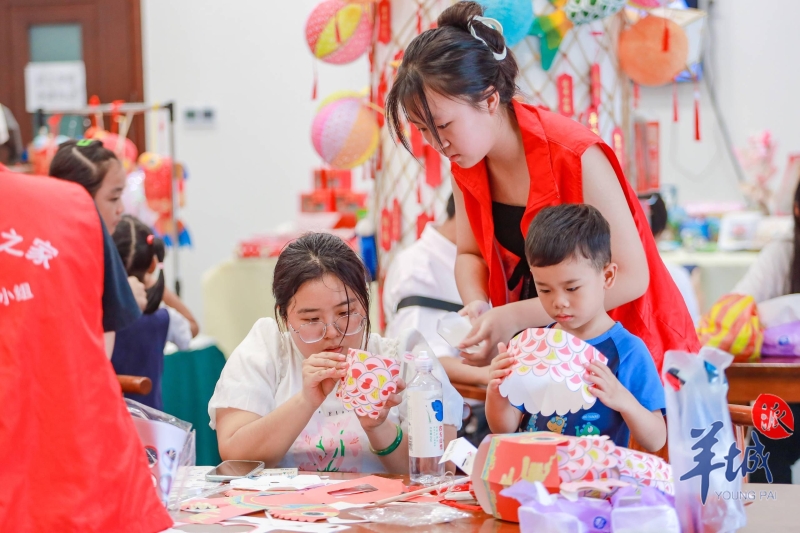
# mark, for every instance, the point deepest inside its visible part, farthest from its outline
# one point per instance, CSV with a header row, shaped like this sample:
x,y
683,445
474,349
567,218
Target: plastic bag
x,y
542,512
782,340
410,514
732,325
700,437
643,510
169,443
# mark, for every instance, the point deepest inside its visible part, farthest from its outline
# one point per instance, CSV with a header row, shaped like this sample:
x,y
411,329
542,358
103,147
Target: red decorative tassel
x,y
674,102
419,18
635,95
336,27
696,113
314,83
419,195
666,36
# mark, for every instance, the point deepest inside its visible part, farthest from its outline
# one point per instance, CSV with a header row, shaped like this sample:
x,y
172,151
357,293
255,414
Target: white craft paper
x,y
548,372
301,482
461,453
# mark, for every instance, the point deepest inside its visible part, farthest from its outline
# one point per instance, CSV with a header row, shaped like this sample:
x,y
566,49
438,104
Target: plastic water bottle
x,y
425,424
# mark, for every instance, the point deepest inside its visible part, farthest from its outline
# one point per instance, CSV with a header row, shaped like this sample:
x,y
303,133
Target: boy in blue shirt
x,y
568,248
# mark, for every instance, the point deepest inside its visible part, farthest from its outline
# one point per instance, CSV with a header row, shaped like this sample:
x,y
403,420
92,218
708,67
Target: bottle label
x,y
426,430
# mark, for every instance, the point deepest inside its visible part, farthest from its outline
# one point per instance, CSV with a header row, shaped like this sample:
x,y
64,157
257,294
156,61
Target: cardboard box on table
x,y
502,460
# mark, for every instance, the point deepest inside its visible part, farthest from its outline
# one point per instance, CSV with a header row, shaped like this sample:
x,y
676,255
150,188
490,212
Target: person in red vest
x,y
71,459
457,84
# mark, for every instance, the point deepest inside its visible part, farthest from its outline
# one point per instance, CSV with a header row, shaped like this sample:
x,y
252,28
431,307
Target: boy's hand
x,y
606,387
499,369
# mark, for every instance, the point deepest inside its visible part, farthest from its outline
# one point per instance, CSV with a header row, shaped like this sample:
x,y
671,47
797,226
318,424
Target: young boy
x,y
568,248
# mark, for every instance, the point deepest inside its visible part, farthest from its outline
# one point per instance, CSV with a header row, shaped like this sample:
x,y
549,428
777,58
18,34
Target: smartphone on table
x,y
228,470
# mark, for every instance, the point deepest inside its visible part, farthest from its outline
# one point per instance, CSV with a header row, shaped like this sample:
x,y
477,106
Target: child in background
x,y
568,248
139,348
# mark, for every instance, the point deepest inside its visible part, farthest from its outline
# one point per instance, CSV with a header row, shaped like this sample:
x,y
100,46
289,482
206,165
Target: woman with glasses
x,y
275,400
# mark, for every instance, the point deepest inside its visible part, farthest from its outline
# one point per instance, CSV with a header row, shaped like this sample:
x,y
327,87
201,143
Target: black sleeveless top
x,y
507,221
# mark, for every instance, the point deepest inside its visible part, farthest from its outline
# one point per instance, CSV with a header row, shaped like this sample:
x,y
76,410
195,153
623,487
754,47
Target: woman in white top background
x,y
275,400
776,272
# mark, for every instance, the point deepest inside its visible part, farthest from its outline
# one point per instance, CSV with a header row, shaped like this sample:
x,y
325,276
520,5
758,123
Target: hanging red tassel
x,y
635,95
674,102
314,83
336,27
666,36
696,113
419,18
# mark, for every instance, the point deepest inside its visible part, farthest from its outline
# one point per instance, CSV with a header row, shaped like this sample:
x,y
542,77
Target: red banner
x,y
397,220
597,88
422,221
565,101
433,167
618,145
384,22
386,230
593,120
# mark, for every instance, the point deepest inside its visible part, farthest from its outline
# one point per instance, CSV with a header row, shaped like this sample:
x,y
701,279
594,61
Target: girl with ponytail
x,y
139,348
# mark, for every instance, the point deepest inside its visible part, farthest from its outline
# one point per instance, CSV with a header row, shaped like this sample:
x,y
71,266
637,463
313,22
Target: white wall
x,y
754,67
247,59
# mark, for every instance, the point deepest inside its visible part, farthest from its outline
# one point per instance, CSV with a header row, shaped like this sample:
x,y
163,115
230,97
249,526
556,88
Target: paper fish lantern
x,y
123,147
345,132
548,374
339,32
516,17
653,51
552,28
369,382
158,193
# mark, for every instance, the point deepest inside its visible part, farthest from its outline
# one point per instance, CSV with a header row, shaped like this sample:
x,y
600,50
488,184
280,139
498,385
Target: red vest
x,y
553,149
70,457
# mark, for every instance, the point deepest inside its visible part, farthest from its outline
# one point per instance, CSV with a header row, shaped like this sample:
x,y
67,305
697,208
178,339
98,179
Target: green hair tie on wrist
x,y
392,447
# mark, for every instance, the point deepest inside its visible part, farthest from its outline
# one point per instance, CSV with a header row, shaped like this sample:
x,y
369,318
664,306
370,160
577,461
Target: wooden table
x,y
774,375
763,514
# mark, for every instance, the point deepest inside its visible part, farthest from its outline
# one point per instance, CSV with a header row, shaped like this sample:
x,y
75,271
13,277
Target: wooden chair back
x,y
135,384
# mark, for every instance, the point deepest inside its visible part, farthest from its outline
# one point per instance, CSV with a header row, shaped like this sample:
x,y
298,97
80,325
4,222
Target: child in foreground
x,y
568,248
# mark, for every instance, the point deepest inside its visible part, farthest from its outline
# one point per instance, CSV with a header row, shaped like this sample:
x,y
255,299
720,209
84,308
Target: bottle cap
x,y
423,362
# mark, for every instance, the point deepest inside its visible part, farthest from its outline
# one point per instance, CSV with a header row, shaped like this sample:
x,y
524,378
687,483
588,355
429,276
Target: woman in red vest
x,y
509,160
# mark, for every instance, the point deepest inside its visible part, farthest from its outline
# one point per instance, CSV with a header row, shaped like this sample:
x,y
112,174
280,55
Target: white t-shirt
x,y
768,277
426,268
684,283
265,370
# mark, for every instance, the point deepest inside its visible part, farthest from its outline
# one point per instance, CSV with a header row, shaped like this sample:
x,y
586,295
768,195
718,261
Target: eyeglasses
x,y
315,331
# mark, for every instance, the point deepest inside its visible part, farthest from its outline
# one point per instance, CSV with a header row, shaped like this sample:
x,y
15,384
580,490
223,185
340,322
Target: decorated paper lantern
x,y
516,16
124,148
345,132
586,11
653,51
338,31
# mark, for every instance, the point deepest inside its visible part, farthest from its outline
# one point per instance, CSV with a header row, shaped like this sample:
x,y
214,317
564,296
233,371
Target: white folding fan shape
x,y
548,372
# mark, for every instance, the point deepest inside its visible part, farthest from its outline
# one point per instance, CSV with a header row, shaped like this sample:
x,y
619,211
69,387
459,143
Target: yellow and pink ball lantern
x,y
339,32
345,131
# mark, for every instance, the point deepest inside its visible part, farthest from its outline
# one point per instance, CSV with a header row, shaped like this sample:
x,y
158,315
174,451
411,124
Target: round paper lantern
x,y
124,148
586,11
643,56
516,16
339,32
345,132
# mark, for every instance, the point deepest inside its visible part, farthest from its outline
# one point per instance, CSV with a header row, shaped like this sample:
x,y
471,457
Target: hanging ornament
x,y
596,87
516,17
674,102
417,143
380,99
419,17
314,83
696,111
422,221
552,28
433,167
618,145
565,99
386,230
641,52
635,95
345,132
338,32
592,120
384,22
397,220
